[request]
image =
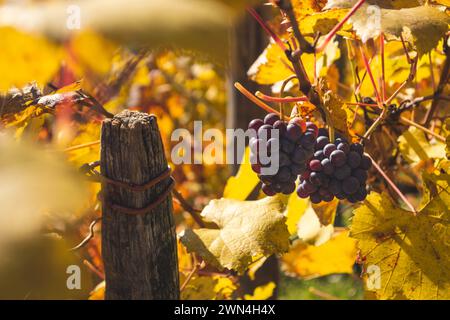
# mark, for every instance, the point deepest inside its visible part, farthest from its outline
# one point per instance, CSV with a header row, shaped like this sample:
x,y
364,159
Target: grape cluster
x,y
296,140
337,169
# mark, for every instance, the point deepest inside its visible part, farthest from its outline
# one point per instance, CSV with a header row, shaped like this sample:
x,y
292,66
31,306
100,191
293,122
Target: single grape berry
x,y
338,158
268,190
286,146
321,142
328,149
255,124
338,169
271,118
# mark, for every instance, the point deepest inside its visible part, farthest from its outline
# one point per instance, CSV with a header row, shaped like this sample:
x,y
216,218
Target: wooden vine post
x,y
138,231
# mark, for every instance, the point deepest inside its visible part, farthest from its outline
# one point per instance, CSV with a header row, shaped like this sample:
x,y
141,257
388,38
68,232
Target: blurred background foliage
x,y
184,76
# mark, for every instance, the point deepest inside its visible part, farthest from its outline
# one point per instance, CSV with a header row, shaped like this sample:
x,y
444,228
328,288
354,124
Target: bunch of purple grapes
x,y
337,169
296,141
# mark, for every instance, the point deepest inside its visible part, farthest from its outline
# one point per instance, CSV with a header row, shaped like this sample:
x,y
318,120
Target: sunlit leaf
x,y
263,292
415,146
244,182
338,255
246,229
411,252
208,288
24,58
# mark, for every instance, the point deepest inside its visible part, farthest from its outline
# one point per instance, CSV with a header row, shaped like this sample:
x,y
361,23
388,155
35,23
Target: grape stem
x,y
418,126
287,8
266,28
292,56
351,56
255,100
195,213
333,32
191,274
383,73
442,83
283,87
377,122
369,72
82,146
393,186
267,98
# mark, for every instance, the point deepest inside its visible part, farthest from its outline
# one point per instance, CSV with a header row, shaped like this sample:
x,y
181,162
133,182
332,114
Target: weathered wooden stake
x,y
139,250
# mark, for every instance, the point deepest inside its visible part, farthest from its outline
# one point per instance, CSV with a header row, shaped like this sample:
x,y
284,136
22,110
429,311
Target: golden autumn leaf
x,y
99,292
415,146
411,252
335,108
326,211
98,58
247,229
324,22
338,255
263,292
295,209
311,230
25,57
443,2
271,66
244,182
435,183
422,26
447,140
208,288
303,8
387,4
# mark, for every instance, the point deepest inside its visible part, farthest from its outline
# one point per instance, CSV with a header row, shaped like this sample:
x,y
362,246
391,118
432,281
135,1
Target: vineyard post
x,y
138,231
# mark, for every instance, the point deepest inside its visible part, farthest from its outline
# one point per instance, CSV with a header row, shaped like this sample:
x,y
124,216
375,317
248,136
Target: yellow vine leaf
x,y
208,288
415,146
263,292
99,292
271,66
326,211
25,115
303,8
411,252
422,26
85,133
244,182
443,2
295,209
336,108
247,229
387,4
324,22
254,267
25,57
447,140
311,230
98,59
335,256
436,182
